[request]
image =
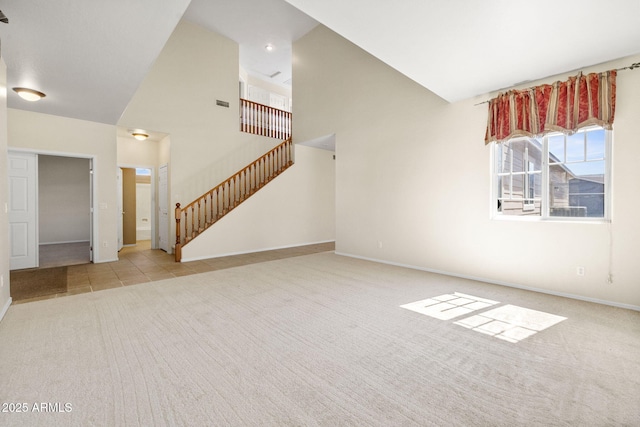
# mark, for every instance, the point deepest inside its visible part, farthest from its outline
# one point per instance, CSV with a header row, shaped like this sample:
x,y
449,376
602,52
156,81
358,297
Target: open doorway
x,y
64,210
137,226
50,210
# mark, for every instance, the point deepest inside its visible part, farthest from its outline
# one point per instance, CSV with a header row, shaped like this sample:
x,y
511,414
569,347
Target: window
x,y
555,176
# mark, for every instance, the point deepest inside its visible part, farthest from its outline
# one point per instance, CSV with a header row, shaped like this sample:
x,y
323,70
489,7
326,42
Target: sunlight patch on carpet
x,y
508,322
448,306
511,323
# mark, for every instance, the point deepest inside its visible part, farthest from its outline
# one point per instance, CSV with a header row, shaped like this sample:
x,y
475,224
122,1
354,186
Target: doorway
x,y
50,210
136,205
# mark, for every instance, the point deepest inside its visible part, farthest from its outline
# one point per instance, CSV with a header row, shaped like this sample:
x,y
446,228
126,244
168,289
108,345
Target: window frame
x,y
495,213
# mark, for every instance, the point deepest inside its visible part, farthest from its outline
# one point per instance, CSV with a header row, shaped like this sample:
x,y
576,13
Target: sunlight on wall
x,y
509,322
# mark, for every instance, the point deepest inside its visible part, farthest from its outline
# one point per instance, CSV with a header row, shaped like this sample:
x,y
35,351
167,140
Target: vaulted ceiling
x,y
89,56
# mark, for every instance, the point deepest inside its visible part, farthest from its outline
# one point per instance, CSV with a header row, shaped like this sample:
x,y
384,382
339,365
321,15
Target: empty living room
x,y
355,213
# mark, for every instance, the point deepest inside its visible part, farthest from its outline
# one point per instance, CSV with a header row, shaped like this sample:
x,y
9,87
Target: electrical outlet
x,y
580,271
105,244
379,244
1,281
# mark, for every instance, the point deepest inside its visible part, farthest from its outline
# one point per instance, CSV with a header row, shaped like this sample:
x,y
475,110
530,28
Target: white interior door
x,y
120,210
163,209
23,210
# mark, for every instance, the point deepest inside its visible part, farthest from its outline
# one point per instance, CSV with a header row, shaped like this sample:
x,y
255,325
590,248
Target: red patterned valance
x,y
581,101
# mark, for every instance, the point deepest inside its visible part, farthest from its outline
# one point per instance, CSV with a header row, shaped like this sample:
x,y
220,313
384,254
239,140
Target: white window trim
x,y
544,216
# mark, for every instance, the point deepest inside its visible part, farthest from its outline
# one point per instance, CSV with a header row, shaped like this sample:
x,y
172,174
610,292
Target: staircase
x,y
207,209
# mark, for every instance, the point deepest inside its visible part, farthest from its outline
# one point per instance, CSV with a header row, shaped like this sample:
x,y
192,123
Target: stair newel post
x,y
178,253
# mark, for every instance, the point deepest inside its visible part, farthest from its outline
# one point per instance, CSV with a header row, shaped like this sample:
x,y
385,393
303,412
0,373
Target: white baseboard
x,y
500,283
106,260
252,251
63,243
5,308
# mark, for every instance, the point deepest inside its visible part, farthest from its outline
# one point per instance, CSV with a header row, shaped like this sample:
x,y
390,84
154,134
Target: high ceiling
x,y
463,48
254,24
90,56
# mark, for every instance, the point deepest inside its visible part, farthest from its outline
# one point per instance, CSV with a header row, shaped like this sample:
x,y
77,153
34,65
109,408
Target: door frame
x,y
158,207
154,201
93,208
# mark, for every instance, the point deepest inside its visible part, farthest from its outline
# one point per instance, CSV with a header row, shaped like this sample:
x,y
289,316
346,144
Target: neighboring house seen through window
x,y
555,176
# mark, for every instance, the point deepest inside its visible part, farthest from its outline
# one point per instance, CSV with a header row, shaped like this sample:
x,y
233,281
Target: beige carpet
x,y
318,340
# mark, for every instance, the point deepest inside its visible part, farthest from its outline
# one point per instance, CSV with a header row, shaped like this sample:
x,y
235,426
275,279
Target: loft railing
x,y
263,120
207,209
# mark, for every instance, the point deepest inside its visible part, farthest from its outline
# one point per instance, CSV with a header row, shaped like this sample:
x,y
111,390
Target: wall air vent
x,y
222,103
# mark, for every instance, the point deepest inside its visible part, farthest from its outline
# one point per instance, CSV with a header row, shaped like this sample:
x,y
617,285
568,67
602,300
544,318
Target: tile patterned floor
x,y
140,264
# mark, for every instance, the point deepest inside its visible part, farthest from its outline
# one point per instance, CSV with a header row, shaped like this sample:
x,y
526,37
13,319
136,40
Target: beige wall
x,y
413,180
5,298
178,98
132,152
55,135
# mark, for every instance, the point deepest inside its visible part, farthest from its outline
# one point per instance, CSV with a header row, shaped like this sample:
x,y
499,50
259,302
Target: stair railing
x,y
207,209
263,120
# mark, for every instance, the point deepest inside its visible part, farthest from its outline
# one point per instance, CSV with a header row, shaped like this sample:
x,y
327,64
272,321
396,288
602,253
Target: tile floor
x,y
140,264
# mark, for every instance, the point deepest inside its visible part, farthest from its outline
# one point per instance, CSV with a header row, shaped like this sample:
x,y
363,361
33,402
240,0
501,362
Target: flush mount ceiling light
x,y
140,136
269,47
29,94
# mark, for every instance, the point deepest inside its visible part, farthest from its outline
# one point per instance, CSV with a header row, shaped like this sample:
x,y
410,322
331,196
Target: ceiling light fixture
x,y
29,94
140,136
269,47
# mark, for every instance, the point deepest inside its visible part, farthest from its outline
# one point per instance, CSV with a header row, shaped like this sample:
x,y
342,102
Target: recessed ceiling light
x,y
269,47
29,94
140,136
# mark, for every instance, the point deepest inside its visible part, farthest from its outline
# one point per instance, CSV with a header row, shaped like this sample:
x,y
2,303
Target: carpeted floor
x,y
319,340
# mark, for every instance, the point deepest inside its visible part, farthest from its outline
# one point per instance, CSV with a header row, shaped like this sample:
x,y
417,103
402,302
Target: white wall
x,y
294,209
5,295
413,176
63,199
49,134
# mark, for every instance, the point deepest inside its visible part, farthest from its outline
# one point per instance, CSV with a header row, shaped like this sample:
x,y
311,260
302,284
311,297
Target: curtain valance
x,y
567,106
